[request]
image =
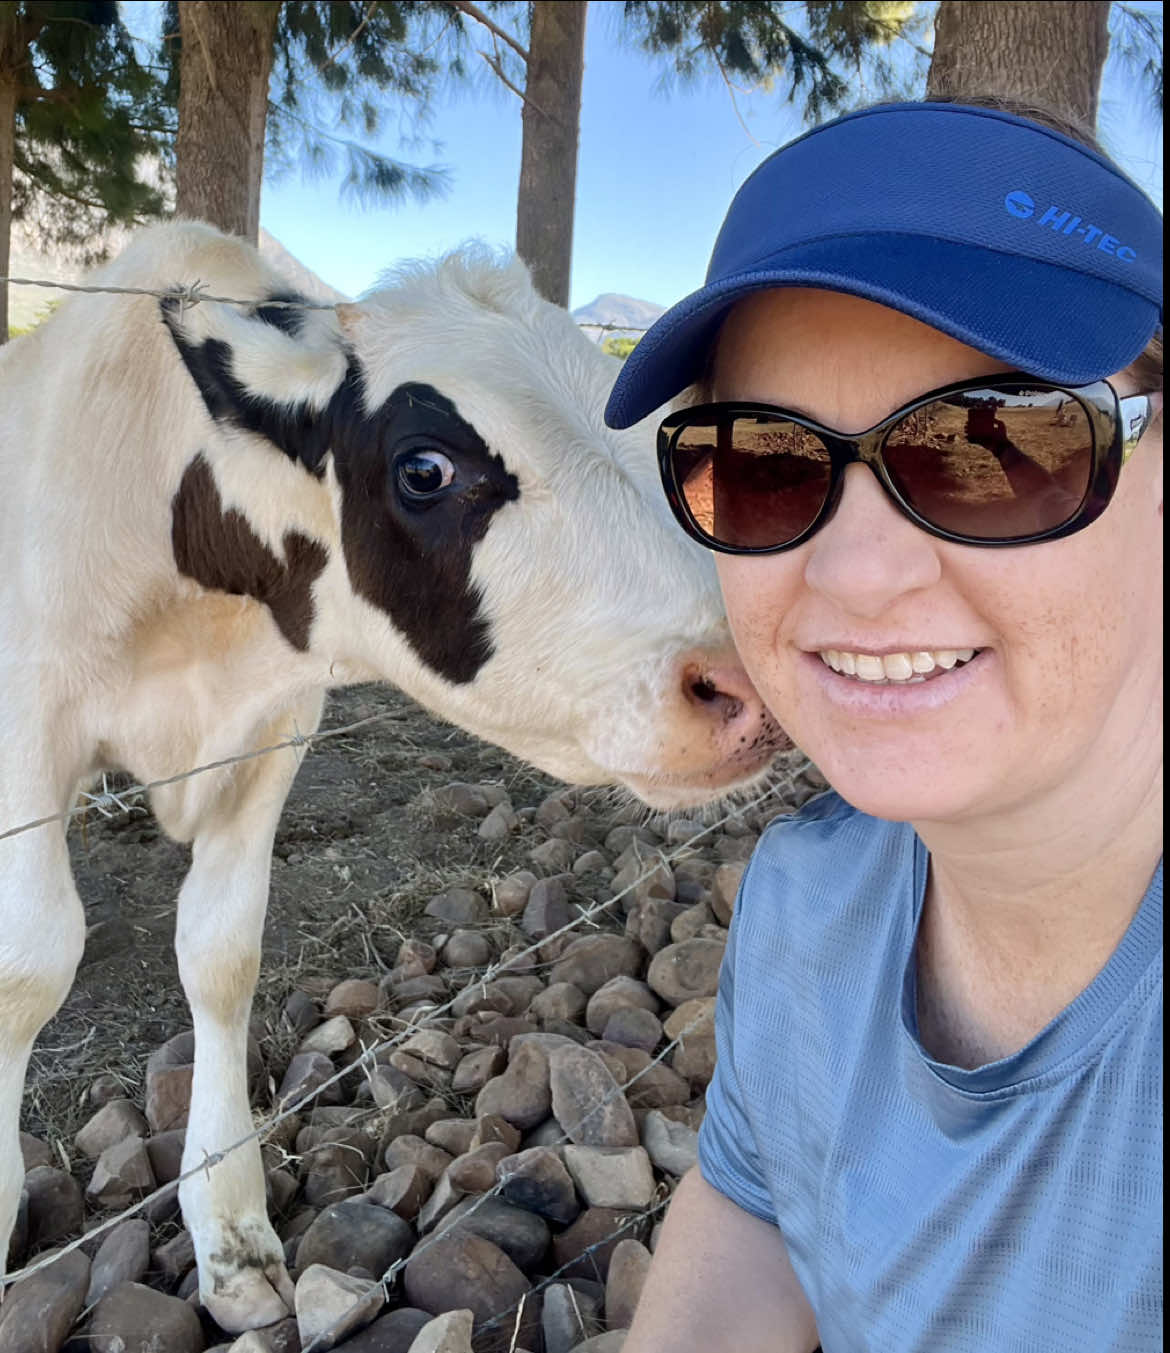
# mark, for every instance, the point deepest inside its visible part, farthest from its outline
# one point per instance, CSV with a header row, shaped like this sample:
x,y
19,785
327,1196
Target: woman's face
x,y
1065,684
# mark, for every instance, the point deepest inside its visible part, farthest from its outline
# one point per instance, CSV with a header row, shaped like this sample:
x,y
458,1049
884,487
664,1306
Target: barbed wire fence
x,y
109,803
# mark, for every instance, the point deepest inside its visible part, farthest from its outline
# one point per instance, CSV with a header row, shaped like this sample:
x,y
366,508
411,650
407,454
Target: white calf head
x,y
494,549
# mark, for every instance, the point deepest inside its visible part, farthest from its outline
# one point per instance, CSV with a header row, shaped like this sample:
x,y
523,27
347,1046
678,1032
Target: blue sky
x,y
656,171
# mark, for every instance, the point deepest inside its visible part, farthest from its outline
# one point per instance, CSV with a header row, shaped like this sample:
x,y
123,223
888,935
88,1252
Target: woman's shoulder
x,y
828,860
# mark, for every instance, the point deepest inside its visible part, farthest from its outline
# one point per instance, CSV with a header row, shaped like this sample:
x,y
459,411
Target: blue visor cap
x,y
1010,237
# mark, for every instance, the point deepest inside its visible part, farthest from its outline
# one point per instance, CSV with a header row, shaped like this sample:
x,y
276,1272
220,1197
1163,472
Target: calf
x,y
211,514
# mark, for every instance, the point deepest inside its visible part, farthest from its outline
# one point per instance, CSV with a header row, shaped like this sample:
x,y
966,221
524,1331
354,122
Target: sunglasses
x,y
1008,462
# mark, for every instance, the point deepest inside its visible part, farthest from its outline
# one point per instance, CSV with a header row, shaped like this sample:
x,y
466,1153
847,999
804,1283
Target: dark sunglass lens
x,y
992,464
751,482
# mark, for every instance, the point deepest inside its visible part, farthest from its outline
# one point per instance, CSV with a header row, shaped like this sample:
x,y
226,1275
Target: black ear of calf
x,y
298,430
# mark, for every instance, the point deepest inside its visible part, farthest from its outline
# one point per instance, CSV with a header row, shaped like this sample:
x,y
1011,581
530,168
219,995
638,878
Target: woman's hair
x,y
1146,369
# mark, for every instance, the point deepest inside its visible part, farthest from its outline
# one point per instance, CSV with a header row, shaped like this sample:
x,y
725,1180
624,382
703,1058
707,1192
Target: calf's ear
x,y
271,370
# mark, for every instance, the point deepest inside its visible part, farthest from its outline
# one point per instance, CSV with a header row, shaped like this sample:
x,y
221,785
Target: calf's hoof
x,y
248,1298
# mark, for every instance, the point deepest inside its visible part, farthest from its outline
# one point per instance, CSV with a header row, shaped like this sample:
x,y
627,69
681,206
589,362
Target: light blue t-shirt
x,y
1013,1208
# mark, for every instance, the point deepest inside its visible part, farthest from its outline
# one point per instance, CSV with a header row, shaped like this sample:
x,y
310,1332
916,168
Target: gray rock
x,y
336,1167
568,1317
633,1028
122,1257
458,907
612,1341
443,1198
408,1149
394,1332
547,909
356,1234
467,949
39,1311
434,1046
133,1318
35,1152
306,1073
447,1333
333,1036
331,1305
587,1101
672,1146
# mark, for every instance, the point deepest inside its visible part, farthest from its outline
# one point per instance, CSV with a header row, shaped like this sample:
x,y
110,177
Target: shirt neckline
x,y
1072,1036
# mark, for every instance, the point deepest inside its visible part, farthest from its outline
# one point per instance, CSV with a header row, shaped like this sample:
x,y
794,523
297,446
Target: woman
x,y
935,1123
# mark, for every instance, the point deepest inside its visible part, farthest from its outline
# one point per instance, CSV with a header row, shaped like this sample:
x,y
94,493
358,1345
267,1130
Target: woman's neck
x,y
1023,911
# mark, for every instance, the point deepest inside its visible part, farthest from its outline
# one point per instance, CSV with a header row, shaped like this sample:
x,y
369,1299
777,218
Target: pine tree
x,y
80,124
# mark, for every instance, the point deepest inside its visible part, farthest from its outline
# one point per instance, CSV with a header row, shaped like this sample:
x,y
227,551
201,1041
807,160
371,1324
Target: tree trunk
x,y
1044,53
224,64
7,156
548,158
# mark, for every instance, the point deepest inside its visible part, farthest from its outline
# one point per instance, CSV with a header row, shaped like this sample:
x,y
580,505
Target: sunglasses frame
x,y
1116,424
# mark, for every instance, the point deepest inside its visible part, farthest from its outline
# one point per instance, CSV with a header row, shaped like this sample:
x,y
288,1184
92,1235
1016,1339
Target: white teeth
x,y
870,668
898,666
895,667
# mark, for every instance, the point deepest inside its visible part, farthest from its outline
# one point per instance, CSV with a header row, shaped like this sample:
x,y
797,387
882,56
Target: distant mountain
x,y
629,316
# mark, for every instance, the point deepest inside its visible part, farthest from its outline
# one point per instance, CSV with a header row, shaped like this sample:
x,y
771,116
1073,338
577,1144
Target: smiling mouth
x,y
896,669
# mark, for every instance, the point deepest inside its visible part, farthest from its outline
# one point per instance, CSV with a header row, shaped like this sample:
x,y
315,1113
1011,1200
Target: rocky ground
x,y
527,1060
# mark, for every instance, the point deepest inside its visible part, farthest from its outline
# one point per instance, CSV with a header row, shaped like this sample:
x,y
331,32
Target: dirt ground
x,y
359,851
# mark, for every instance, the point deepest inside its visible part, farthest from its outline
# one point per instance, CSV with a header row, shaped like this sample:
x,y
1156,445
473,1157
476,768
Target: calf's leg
x,y
42,933
242,1278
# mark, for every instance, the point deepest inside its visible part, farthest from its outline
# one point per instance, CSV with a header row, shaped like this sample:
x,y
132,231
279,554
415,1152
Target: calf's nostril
x,y
703,690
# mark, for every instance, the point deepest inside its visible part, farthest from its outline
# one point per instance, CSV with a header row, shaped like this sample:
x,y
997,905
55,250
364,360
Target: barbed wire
x,y
193,292
370,1054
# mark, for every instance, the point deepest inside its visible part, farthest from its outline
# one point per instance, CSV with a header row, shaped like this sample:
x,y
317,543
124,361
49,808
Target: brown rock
x,y
355,998
628,1266
165,1150
510,895
35,1152
460,1270
724,890
122,1174
39,1311
467,949
337,1166
591,962
168,1083
122,1257
55,1209
521,1095
132,1318
411,1150
492,1128
475,1171
458,907
686,971
476,1069
452,1135
595,1227
112,1123
619,993
560,1001
587,1101
537,1181
402,1190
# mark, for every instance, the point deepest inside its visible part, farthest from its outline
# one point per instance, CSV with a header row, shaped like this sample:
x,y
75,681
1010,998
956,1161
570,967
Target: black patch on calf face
x,y
219,550
410,555
298,430
283,316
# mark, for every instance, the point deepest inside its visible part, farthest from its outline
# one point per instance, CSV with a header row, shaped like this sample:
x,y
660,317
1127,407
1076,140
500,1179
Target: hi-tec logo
x,y
1019,204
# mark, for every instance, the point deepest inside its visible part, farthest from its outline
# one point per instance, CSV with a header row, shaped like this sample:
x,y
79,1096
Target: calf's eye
x,y
421,474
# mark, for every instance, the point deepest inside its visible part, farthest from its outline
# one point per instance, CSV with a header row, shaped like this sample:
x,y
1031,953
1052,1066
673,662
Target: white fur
x,y
109,658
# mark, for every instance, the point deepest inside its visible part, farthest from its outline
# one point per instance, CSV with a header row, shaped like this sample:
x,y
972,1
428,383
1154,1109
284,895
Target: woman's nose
x,y
869,554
